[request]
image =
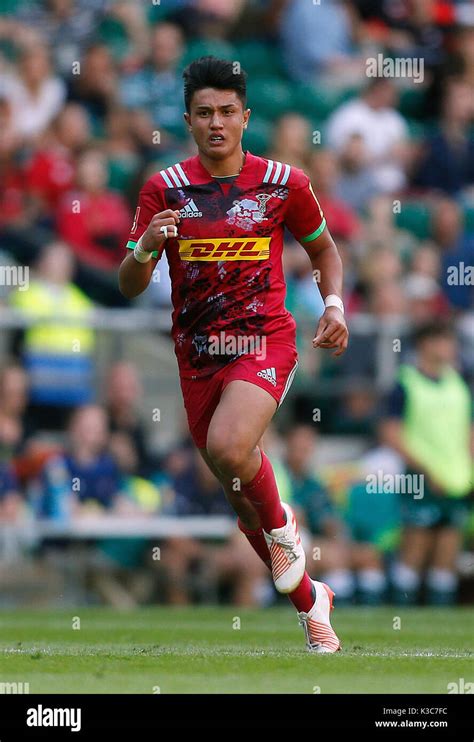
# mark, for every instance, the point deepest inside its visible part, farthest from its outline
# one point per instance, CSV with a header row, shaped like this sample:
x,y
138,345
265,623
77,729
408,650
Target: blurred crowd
x,y
90,105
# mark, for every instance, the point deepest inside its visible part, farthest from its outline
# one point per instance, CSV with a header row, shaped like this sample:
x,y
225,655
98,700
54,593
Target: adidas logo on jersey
x,y
190,211
269,374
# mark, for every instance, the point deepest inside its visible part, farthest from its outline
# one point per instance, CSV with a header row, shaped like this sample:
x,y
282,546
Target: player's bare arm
x,y
134,276
331,331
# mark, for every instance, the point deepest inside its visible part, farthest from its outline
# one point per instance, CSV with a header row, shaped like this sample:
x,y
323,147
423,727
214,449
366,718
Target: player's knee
x,y
227,454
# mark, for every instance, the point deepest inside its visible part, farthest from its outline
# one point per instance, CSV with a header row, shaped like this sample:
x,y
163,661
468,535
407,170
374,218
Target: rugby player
x,y
220,217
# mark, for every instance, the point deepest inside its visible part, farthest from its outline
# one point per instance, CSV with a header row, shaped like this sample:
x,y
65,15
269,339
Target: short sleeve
x,y
304,216
149,203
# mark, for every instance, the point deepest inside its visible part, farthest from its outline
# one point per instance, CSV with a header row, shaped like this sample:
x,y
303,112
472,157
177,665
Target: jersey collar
x,y
245,177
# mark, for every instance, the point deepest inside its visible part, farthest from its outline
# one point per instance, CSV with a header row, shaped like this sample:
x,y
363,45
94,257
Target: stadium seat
x,y
417,130
259,58
159,12
206,47
8,7
415,217
113,34
317,103
373,518
269,97
257,137
411,102
469,219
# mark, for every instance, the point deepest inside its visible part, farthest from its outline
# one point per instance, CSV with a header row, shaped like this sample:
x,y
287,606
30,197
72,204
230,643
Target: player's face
x,y
217,121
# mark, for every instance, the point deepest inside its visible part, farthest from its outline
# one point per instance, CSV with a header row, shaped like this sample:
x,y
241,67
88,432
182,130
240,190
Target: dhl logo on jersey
x,y
247,248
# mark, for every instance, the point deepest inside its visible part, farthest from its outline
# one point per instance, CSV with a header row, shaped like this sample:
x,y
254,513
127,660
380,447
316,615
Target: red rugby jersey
x,y
226,263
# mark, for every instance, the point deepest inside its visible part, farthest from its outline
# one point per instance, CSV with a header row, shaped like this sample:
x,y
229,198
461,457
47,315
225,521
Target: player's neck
x,y
221,168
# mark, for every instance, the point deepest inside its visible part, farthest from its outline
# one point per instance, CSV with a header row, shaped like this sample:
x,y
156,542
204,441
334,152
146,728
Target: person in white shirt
x,y
383,131
35,94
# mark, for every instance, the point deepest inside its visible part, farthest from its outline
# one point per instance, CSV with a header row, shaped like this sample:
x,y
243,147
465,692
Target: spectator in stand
x,y
341,219
93,219
123,151
422,287
291,140
386,303
51,170
327,548
13,203
96,88
157,87
199,493
464,50
448,159
429,399
11,501
425,300
372,515
124,392
374,117
18,444
58,357
65,26
84,478
209,19
426,261
35,93
457,250
380,265
301,23
381,230
85,481
357,409
13,402
356,184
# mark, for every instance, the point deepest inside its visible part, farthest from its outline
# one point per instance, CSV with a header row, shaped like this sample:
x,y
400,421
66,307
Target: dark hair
x,y
210,72
436,329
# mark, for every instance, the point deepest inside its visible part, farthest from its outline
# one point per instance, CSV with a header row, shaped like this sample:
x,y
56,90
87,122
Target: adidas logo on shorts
x,y
269,374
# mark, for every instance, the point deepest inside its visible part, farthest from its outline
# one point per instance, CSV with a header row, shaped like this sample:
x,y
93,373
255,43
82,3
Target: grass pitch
x,y
202,650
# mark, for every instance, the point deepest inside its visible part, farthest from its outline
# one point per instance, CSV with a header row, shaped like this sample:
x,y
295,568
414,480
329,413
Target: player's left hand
x,y
332,331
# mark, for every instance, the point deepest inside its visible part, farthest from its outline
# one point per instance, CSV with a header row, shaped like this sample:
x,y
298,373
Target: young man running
x,y
220,217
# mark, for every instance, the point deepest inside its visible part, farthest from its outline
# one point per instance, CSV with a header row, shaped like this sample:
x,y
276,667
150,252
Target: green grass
x,y
197,650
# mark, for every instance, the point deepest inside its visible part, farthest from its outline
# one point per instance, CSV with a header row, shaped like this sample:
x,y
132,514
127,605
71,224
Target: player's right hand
x,y
153,237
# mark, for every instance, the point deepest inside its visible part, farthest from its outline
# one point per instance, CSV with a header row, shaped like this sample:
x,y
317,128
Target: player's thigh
x,y
447,543
241,417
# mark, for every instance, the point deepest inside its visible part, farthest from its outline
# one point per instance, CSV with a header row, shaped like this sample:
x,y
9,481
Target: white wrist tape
x,y
141,255
333,300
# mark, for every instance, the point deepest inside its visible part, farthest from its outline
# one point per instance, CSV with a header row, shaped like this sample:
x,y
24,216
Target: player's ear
x,y
187,119
247,113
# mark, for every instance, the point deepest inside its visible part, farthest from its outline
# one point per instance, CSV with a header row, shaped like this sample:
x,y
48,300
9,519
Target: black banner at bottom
x,y
140,717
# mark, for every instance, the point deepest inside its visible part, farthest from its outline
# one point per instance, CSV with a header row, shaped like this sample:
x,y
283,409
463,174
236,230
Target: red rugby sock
x,y
257,541
303,597
262,492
